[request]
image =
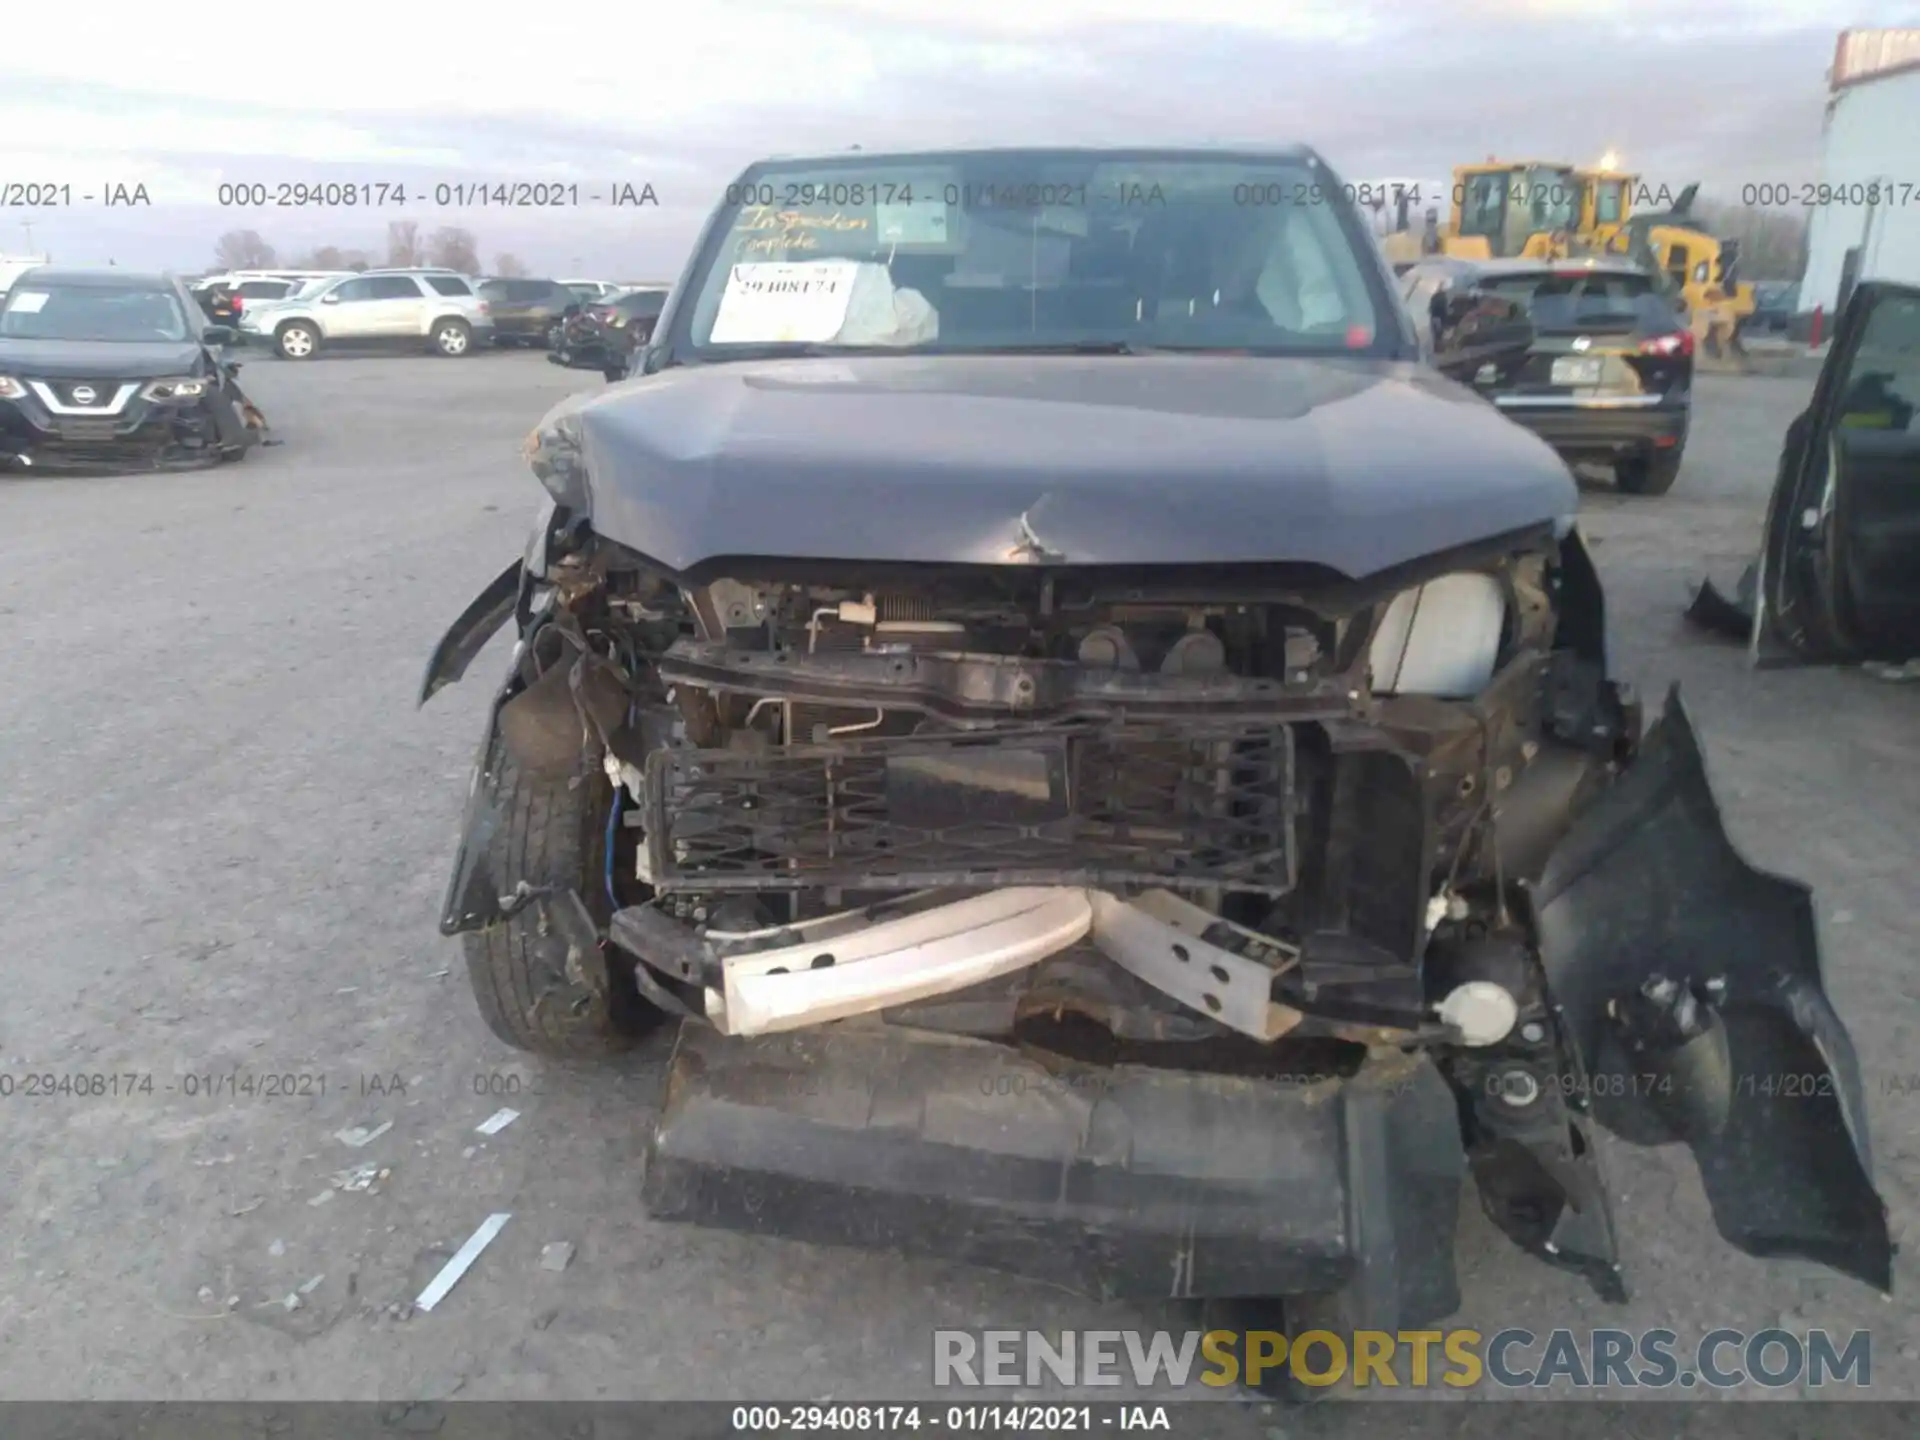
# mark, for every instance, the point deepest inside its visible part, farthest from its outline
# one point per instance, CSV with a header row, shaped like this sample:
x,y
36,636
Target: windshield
x,y
85,312
1035,250
1607,208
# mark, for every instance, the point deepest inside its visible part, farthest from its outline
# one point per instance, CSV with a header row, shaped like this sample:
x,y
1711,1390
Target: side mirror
x,y
217,335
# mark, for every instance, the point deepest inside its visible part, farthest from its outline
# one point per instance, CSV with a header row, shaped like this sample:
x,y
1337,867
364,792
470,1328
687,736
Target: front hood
x,y
1072,460
97,359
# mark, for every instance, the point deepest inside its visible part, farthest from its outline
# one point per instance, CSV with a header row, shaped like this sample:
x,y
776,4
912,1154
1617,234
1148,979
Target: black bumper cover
x,y
1122,1181
146,436
1602,431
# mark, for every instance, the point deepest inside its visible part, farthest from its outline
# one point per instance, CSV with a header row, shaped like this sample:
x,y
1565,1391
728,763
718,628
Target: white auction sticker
x,y
29,302
804,301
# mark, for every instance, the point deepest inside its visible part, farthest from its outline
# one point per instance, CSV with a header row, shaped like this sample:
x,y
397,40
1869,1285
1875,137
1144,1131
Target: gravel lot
x,y
226,829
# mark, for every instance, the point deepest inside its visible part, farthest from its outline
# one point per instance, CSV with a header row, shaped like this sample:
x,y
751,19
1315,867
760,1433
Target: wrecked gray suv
x,y
1107,757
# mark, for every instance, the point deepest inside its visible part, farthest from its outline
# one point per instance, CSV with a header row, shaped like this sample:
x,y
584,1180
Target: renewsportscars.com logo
x,y
1509,1359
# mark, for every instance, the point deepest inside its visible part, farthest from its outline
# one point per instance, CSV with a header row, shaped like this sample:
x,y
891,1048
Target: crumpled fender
x,y
1690,986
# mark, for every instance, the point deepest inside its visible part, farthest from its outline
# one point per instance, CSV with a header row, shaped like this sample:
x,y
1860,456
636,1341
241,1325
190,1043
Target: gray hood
x,y
1108,460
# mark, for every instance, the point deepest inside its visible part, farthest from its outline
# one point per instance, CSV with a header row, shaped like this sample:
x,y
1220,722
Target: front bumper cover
x,y
1121,1181
145,434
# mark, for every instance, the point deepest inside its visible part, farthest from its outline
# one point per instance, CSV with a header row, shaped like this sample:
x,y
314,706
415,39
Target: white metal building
x,y
1872,135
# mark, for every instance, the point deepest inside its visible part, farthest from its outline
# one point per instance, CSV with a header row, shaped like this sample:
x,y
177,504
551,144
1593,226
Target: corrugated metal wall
x,y
1866,52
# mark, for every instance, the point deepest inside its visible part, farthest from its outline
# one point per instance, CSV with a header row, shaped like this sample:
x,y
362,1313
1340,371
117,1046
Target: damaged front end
x,y
1166,931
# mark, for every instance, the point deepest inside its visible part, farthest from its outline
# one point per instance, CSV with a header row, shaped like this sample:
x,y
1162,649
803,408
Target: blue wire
x,y
613,822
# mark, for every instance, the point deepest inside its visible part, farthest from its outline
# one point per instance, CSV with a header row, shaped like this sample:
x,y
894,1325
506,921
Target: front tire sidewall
x,y
552,831
452,338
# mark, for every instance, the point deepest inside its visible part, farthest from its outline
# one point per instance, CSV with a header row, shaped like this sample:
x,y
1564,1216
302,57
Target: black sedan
x,y
110,368
1609,378
528,312
604,337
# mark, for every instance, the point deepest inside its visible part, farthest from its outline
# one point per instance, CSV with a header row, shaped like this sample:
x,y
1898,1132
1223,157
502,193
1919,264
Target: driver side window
x,y
351,290
1883,381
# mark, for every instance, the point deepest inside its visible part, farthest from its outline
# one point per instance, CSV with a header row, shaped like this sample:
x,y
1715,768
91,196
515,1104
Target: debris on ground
x,y
556,1256
469,1152
321,1198
248,1208
277,1248
291,1303
1885,670
307,1287
355,1136
206,1294
462,1260
497,1121
360,1178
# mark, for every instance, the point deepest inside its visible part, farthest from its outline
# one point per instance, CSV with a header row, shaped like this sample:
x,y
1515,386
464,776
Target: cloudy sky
x,y
1723,91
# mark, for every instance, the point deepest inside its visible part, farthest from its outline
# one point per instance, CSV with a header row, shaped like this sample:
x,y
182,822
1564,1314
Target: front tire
x,y
552,832
296,340
1648,474
452,338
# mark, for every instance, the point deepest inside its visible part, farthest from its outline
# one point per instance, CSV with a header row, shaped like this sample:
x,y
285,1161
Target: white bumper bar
x,y
854,971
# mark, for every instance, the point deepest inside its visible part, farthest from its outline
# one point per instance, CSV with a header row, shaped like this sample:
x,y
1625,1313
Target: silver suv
x,y
438,309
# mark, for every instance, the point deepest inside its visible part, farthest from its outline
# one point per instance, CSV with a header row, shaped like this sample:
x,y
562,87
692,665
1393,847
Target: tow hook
x,y
1680,1050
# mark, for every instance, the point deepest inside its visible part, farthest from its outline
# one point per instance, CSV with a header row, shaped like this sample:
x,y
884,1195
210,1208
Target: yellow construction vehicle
x,y
1606,201
1700,268
1502,209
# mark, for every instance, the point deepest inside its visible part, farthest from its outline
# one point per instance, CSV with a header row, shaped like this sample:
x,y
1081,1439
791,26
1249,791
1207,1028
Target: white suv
x,y
438,309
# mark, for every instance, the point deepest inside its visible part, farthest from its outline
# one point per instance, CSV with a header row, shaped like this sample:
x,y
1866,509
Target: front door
x,y
1840,567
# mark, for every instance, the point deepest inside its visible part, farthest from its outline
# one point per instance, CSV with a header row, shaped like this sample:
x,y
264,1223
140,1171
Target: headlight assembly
x,y
1441,638
11,389
181,388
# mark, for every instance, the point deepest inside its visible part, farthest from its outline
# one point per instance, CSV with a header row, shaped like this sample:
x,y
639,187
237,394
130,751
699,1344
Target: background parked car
x,y
593,291
1609,376
605,336
224,298
529,312
437,309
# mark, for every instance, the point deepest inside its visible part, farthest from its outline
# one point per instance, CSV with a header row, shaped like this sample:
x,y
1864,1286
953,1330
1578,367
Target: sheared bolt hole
x,y
778,970
1180,953
1220,973
1466,784
1213,1003
821,962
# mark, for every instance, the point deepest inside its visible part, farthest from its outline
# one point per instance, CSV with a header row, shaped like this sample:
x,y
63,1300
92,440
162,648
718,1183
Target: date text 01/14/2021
x,y
195,1085
456,194
1014,1417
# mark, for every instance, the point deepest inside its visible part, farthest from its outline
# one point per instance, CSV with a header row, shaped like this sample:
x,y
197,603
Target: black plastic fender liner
x,y
469,634
1648,885
473,899
1121,1181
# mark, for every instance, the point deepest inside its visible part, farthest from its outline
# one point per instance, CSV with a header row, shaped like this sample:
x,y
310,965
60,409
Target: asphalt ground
x,y
226,829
